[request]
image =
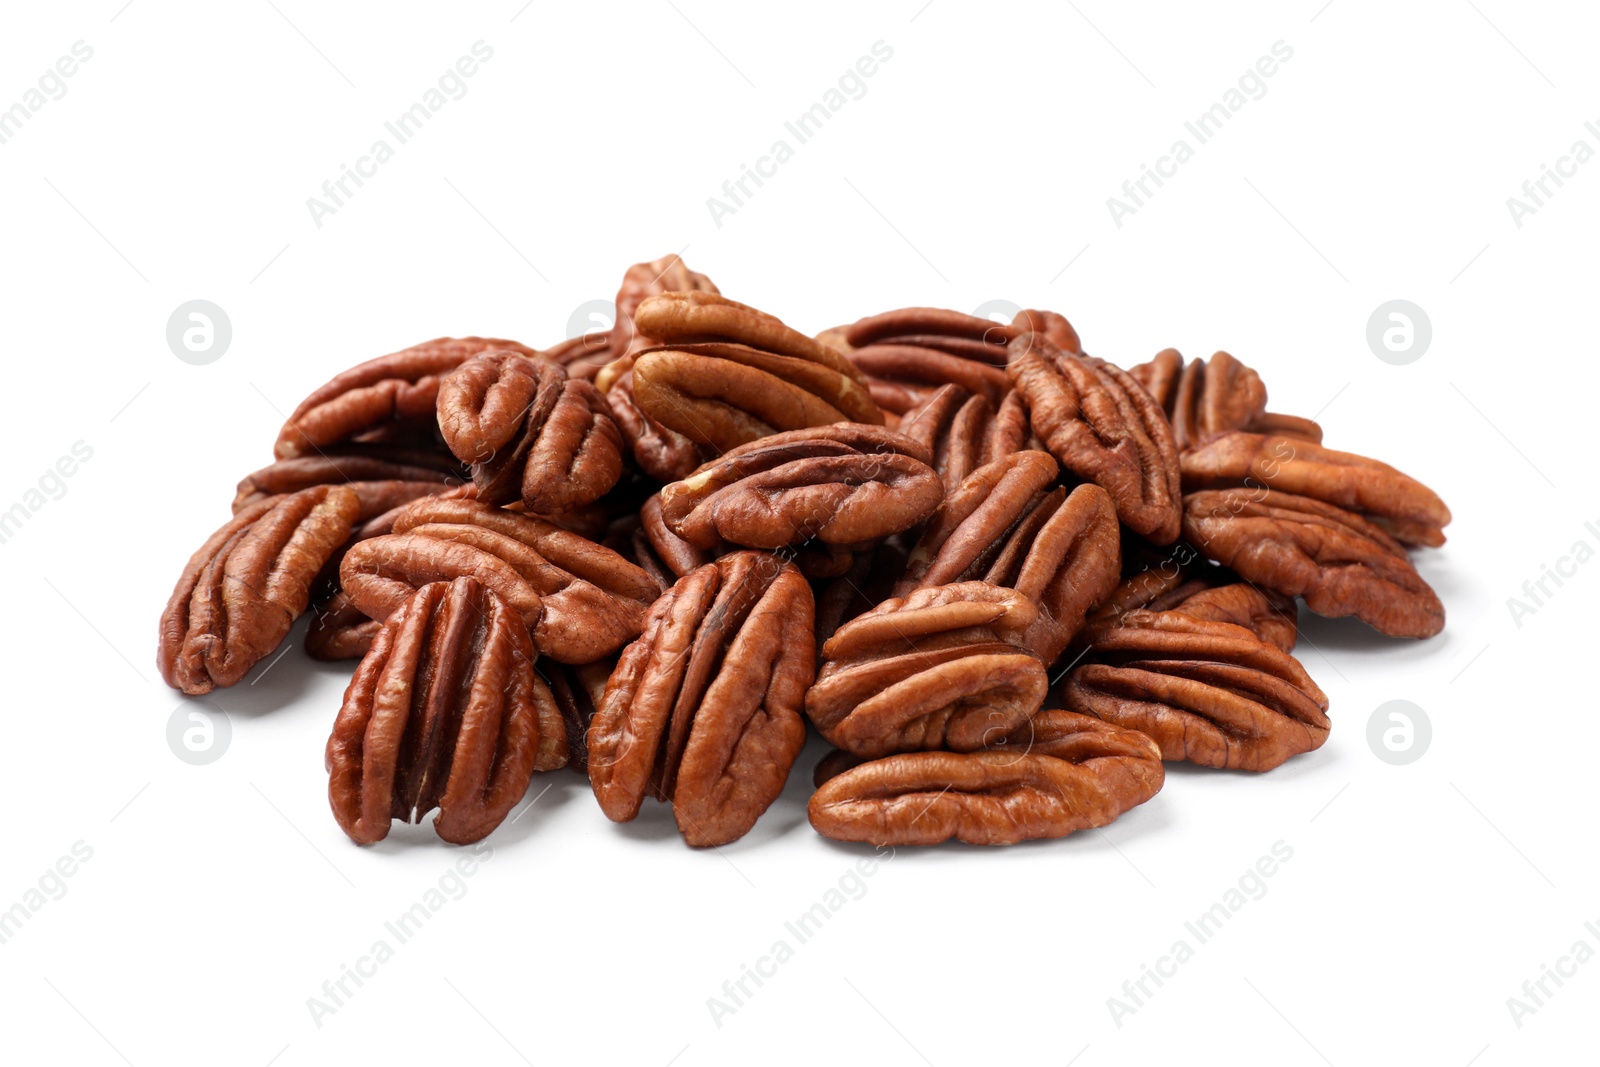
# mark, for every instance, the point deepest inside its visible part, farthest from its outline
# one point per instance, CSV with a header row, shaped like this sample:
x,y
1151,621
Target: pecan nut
x,y
1203,399
844,484
444,712
1208,692
529,431
242,591
640,282
909,353
703,710
964,431
1202,591
1103,427
340,630
1340,563
940,668
1057,773
342,467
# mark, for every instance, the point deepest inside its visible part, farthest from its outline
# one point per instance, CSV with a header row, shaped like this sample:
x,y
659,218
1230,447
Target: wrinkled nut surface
x,y
444,712
242,591
1208,692
940,668
844,484
581,600
1057,773
1405,508
401,386
530,432
909,353
1101,425
963,430
340,630
1340,563
303,472
703,710
1203,591
1205,398
640,282
577,691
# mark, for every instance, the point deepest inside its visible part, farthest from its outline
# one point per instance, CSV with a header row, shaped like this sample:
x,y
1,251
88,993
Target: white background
x,y
977,165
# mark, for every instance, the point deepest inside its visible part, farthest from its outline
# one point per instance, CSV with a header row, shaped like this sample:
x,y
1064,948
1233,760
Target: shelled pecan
x,y
347,466
963,430
1205,398
1201,590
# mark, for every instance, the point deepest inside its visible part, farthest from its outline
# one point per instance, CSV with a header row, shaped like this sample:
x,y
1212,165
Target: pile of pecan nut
x,y
1003,578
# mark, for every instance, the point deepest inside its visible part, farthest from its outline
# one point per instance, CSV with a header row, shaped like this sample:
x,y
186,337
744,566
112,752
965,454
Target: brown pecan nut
x,y
444,712
583,356
1405,508
640,282
940,668
1340,563
1201,591
869,582
1008,524
909,353
1203,399
845,484
241,592
703,710
729,374
577,691
582,601
1103,427
678,555
663,454
372,397
1208,692
530,432
341,467
340,630
964,431
1055,774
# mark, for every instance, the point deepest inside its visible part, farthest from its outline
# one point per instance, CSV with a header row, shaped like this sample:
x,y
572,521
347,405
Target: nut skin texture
x,y
581,601
940,668
377,394
340,630
445,711
1213,594
1406,509
640,282
242,591
1101,425
1208,692
1055,774
530,432
344,467
703,709
1340,563
963,431
1205,398
845,484
909,353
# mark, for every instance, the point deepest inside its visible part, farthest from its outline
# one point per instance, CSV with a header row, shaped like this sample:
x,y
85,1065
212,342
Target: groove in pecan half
x,y
340,630
444,712
845,484
963,431
1208,692
342,468
909,353
1201,591
940,668
1203,399
1101,425
665,455
241,592
869,582
1405,508
529,431
1055,774
703,709
376,394
1340,563
577,691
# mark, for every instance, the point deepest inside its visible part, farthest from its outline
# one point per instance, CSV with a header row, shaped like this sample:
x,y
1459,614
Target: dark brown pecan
x,y
241,592
1340,563
844,484
1405,508
340,468
1102,426
940,668
1008,524
374,396
963,430
1202,591
444,712
1204,399
530,432
1053,325
340,630
577,691
1211,693
728,374
869,582
582,601
1055,774
703,711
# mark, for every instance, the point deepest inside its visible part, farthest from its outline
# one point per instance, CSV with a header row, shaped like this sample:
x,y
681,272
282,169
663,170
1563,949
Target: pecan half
x,y
1208,692
343,468
640,282
582,601
529,431
940,668
375,395
444,712
1405,508
963,431
844,484
577,691
663,454
1201,591
1055,774
1203,399
241,592
1340,563
703,710
909,353
1102,426
340,630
